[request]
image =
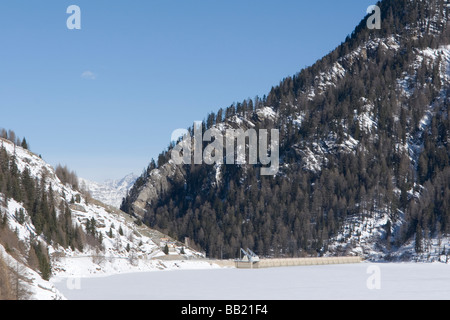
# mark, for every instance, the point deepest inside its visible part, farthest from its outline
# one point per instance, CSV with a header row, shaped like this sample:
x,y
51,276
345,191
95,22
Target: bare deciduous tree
x,y
67,176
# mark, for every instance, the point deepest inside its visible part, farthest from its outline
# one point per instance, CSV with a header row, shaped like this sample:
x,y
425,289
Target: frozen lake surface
x,y
353,281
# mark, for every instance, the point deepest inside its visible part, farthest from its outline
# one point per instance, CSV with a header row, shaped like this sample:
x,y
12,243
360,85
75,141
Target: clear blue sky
x,y
105,99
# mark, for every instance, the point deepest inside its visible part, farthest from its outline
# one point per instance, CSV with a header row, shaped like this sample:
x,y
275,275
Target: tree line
x,y
10,135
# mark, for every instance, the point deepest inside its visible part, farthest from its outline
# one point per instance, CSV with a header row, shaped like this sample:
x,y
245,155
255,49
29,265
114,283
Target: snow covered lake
x,y
388,281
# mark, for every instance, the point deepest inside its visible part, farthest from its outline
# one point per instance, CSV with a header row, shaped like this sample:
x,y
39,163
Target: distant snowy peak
x,y
122,184
110,192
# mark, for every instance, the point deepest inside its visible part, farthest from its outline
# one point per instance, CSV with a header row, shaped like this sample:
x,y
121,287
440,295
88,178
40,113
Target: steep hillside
x,y
49,230
364,154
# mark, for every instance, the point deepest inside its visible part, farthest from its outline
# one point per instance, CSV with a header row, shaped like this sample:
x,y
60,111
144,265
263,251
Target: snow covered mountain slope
x,y
110,192
110,241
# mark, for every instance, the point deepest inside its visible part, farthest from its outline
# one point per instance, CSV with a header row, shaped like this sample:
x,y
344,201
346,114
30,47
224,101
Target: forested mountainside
x,y
364,154
49,226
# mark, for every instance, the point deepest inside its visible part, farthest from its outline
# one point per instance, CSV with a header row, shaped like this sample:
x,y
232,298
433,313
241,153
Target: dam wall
x,y
286,262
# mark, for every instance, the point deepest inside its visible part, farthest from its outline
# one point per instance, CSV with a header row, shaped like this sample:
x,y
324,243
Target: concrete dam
x,y
286,262
252,261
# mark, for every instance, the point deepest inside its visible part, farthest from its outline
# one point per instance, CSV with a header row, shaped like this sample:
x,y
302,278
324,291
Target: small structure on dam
x,y
249,259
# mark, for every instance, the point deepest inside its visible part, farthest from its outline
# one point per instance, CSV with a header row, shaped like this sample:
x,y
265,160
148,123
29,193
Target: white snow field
x,y
364,281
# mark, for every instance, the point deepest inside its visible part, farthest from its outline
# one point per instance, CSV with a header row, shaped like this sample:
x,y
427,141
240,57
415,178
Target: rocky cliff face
x,y
158,183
